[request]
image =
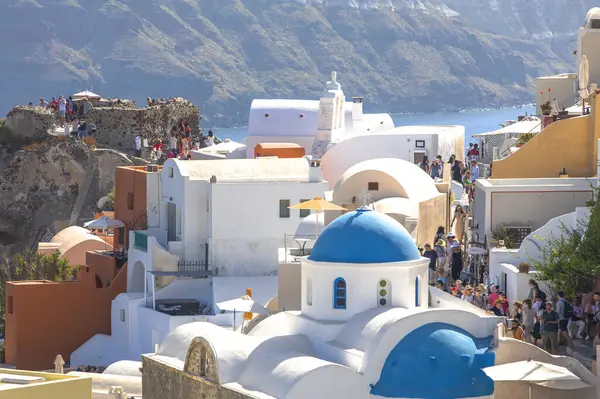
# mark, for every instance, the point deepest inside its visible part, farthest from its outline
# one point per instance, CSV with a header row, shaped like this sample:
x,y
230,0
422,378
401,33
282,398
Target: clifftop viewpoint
x,y
403,55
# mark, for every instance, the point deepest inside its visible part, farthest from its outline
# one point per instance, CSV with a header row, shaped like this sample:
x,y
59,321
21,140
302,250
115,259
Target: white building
x,y
321,125
525,204
588,44
230,214
395,187
504,263
214,229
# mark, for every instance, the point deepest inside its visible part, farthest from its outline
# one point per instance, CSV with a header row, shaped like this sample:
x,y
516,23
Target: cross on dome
x,y
365,196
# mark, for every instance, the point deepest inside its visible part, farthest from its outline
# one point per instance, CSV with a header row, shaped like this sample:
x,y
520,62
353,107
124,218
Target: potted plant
x,y
524,267
546,108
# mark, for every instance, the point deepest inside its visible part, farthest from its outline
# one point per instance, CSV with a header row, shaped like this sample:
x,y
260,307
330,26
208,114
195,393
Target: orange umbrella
x,y
318,204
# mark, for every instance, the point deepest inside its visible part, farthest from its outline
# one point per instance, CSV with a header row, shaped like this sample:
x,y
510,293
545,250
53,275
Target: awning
x,y
531,124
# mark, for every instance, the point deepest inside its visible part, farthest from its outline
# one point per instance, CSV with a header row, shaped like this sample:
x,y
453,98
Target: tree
x,y
571,261
109,204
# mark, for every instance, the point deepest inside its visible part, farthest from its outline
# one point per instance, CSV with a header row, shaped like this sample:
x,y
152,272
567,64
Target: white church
x,y
365,324
321,125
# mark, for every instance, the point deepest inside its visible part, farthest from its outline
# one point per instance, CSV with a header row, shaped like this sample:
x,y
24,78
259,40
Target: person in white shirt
x,y
468,294
210,140
138,146
62,110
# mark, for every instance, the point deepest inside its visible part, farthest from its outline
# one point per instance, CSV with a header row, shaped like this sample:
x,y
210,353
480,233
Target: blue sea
x,y
474,121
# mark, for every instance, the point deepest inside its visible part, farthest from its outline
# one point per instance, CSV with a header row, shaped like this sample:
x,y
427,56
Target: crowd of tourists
x,y
71,114
539,320
464,175
178,144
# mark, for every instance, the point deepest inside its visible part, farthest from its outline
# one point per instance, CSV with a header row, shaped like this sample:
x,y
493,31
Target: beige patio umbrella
x,y
320,205
534,372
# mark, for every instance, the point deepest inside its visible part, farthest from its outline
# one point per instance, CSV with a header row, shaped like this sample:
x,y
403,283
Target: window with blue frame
x,y
417,296
339,293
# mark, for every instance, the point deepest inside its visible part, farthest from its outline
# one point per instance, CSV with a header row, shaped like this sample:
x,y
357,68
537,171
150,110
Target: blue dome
x,y
364,236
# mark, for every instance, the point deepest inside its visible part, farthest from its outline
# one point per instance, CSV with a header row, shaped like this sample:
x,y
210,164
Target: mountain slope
x,y
402,55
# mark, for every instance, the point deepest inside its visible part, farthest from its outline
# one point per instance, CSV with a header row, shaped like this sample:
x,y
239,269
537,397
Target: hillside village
x,y
332,254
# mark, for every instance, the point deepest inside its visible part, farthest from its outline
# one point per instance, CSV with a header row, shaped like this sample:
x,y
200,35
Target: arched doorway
x,y
137,278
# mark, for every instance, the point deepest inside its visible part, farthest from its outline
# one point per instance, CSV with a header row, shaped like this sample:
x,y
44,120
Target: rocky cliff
x,y
402,55
51,185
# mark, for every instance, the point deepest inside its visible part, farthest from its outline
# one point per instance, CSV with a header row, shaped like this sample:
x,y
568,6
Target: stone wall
x,y
118,127
160,381
31,123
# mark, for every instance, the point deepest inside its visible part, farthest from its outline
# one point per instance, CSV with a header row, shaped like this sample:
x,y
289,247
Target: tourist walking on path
x,y
480,300
460,218
433,257
436,167
529,319
565,313
456,260
517,330
534,291
440,248
549,329
577,320
474,170
440,234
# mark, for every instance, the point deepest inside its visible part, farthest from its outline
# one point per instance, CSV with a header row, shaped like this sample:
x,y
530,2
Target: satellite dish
x,y
584,77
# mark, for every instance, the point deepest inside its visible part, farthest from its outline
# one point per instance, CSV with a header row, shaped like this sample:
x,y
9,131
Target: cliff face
x,y
50,186
402,55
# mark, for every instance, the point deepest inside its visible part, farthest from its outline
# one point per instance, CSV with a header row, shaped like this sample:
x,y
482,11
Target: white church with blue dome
x,y
365,329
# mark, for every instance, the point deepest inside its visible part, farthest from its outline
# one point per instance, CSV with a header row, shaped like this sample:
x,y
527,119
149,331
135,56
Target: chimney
x,y
315,173
357,108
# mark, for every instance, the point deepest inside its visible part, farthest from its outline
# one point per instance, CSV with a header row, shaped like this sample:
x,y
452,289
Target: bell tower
x,y
331,117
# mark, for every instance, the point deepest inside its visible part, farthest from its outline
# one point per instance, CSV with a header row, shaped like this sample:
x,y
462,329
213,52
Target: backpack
x,y
542,295
568,310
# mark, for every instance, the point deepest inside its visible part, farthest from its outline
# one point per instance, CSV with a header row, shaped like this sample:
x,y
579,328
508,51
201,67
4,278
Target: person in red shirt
x,y
54,104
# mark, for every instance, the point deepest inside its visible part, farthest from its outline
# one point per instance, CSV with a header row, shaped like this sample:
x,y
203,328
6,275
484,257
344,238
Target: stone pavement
x,y
584,352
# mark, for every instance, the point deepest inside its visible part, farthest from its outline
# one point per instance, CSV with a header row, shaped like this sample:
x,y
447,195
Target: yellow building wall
x,y
432,214
570,144
56,386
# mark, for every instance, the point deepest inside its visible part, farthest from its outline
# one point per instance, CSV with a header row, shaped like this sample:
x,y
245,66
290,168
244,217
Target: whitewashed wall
x,y
246,228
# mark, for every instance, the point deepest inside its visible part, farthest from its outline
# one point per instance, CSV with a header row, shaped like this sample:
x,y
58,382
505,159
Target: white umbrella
x,y
535,372
104,223
86,93
244,304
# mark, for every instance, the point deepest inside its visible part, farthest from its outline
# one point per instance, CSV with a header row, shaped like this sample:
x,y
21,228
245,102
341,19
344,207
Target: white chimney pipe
x,y
357,108
315,173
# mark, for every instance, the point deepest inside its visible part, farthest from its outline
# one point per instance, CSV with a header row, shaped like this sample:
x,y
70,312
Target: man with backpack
x,y
565,313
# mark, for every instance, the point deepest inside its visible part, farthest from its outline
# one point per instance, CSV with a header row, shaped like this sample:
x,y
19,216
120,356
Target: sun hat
x,y
455,245
440,243
451,235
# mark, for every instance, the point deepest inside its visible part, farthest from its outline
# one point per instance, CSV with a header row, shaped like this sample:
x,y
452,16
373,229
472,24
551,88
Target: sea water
x,y
474,121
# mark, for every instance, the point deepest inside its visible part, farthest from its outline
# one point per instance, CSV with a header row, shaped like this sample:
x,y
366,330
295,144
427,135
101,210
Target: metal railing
x,y
140,241
192,266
